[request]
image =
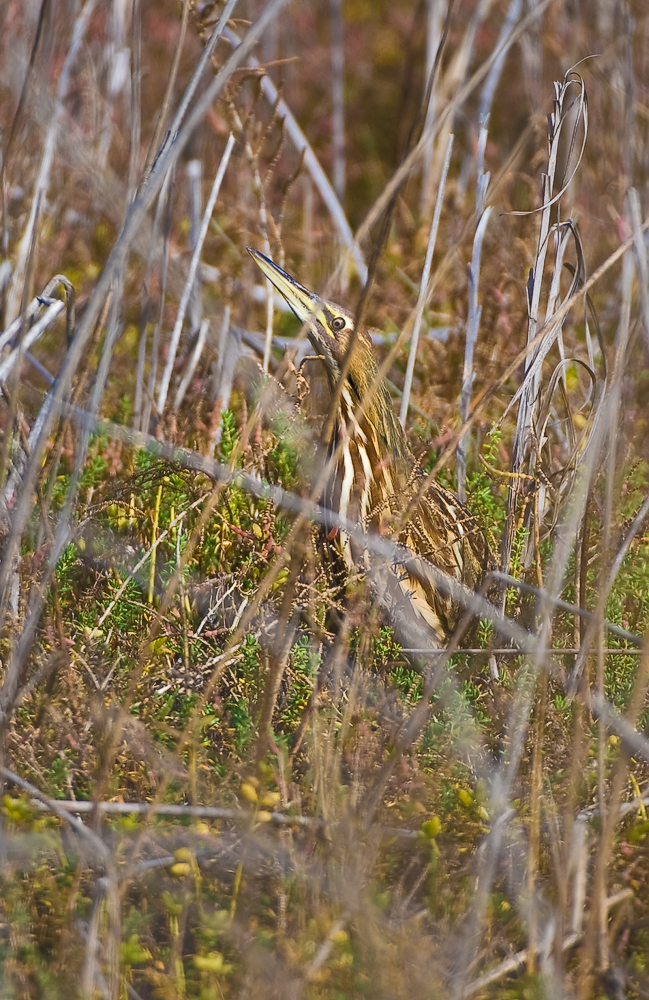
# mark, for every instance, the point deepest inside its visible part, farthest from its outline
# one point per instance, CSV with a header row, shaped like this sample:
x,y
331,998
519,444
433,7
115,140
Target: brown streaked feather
x,y
386,478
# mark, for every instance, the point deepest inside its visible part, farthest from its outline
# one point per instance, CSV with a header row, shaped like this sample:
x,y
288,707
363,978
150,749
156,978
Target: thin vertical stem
x,y
618,374
16,118
338,97
112,333
163,210
641,259
307,228
436,15
192,363
423,288
193,267
139,379
154,548
472,327
227,359
258,187
535,820
195,178
136,101
489,89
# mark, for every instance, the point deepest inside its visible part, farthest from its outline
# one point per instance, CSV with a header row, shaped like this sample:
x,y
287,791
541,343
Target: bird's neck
x,y
374,462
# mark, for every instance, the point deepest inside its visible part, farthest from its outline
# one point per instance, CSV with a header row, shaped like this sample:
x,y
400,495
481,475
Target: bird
x,y
377,481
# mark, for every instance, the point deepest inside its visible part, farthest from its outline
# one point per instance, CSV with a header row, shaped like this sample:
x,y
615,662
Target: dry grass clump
x,y
222,774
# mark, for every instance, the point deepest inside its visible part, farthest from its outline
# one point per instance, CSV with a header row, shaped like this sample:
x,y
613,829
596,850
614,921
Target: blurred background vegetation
x,y
332,828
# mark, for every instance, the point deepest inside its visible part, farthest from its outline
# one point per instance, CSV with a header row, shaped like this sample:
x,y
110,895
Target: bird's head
x,y
328,325
330,328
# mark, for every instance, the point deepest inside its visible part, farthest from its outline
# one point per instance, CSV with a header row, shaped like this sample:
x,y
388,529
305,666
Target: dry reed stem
x,y
191,276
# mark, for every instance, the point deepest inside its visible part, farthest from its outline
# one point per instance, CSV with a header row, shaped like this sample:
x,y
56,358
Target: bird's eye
x,y
337,324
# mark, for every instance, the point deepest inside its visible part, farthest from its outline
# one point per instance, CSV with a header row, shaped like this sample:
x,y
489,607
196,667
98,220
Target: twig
x,y
575,609
437,26
162,217
489,89
113,330
68,808
195,183
525,450
324,950
509,651
154,549
512,964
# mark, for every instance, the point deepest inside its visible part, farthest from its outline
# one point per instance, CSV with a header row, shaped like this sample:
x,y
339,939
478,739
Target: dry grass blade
x,y
191,276
423,286
472,327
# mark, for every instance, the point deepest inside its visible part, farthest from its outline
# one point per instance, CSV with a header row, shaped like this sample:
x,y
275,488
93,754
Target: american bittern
x,y
375,476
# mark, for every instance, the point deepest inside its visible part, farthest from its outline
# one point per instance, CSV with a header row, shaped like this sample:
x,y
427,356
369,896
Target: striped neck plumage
x,y
373,461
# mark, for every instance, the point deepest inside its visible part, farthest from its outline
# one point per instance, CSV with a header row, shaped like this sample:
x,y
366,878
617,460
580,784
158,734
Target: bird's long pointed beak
x,y
305,304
